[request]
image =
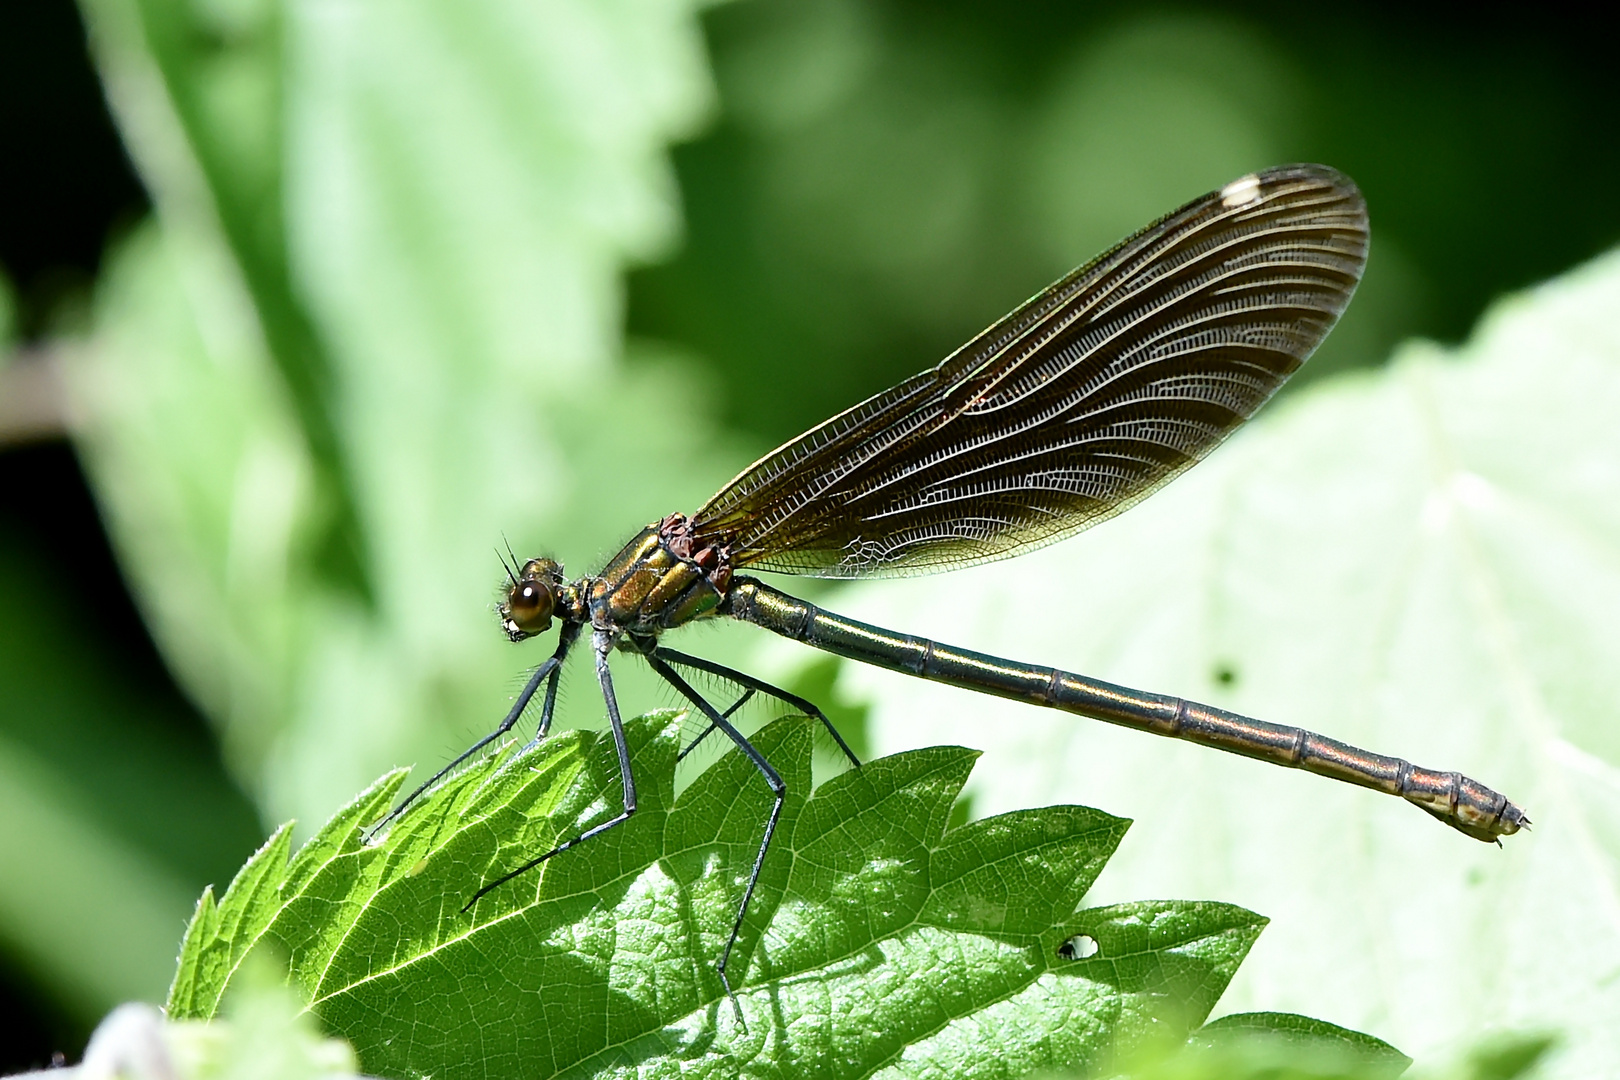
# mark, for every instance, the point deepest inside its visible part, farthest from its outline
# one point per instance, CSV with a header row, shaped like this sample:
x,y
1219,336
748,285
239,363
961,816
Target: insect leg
x,y
546,672
778,789
570,631
742,678
747,695
602,644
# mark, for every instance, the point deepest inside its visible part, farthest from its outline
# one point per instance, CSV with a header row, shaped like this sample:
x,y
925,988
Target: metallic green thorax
x,y
657,582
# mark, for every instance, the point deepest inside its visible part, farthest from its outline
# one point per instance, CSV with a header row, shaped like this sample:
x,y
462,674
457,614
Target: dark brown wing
x,y
1084,400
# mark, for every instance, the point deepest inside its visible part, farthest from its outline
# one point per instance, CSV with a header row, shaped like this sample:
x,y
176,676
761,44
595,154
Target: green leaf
x,y
1267,1046
1272,1046
1424,561
1266,1039
1298,1029
372,221
202,91
1507,1057
877,942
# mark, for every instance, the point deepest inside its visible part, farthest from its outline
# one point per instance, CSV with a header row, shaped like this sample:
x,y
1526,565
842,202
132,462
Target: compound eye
x,y
529,606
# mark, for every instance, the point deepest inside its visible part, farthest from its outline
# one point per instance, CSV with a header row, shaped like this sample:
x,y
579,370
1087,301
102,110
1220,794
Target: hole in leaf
x,y
1079,947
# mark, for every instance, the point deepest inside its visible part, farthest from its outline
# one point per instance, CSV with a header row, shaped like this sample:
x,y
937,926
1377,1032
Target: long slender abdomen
x,y
1464,804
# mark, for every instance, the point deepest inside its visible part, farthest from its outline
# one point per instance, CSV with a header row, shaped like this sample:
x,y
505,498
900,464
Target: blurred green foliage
x,y
888,177
8,315
375,323
371,322
111,818
263,1032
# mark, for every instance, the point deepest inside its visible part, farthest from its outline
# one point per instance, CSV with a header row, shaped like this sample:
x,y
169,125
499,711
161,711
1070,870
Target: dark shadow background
x,y
1484,143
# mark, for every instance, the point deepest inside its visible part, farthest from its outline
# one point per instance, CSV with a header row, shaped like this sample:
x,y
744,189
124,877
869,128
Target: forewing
x,y
1084,400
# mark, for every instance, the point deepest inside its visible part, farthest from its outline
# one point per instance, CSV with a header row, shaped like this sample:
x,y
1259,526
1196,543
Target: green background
x,y
384,285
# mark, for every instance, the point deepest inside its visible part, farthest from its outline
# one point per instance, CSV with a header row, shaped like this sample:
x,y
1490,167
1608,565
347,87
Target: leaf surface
x,y
878,943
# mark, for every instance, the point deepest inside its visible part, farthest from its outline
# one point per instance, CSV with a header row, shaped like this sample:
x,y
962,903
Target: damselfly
x,y
1085,399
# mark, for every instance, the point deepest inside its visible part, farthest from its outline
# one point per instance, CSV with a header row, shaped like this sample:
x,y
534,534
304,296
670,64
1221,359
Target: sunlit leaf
x,y
877,943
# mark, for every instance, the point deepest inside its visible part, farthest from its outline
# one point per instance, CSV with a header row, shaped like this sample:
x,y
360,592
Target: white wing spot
x,y
1243,190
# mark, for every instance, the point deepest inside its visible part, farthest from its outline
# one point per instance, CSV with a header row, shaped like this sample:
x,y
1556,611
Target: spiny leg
x,y
546,672
731,709
742,678
645,646
570,632
602,643
778,789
